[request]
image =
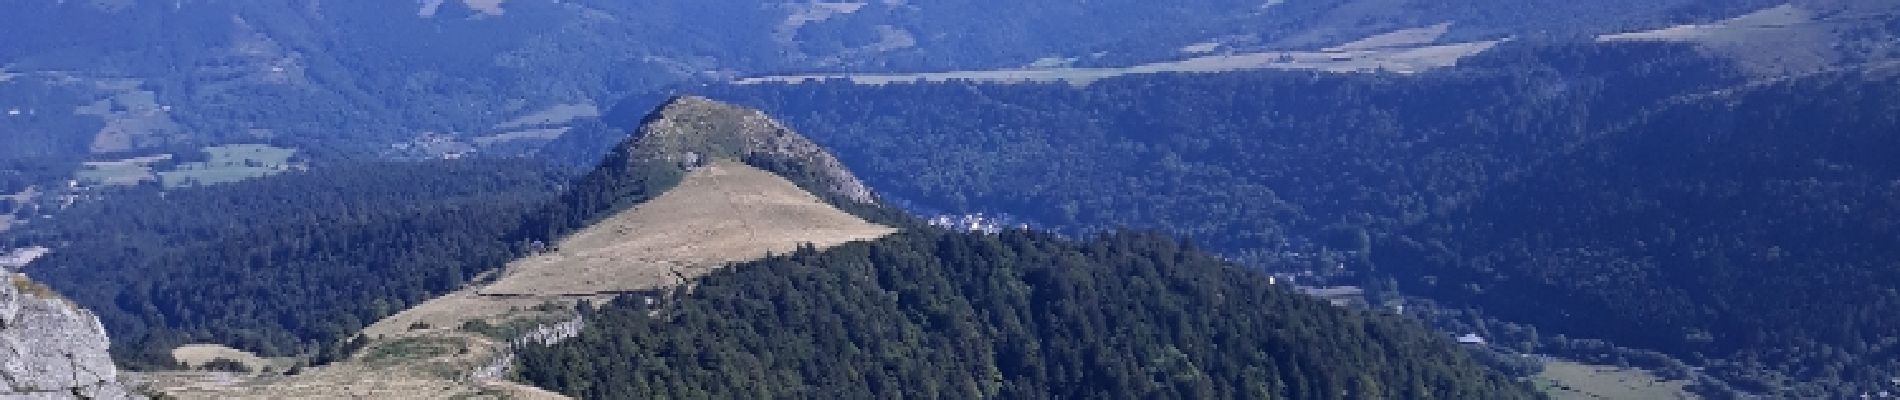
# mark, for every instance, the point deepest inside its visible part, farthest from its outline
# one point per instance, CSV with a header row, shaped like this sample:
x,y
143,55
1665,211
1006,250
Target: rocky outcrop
x,y
689,129
543,335
684,136
50,348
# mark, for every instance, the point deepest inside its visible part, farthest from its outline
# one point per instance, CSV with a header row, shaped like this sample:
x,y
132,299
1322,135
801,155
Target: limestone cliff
x,y
50,348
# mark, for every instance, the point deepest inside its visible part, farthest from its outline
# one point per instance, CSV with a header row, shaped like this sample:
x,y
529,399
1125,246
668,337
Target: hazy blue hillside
x,y
1755,227
1719,195
1643,194
1252,164
356,78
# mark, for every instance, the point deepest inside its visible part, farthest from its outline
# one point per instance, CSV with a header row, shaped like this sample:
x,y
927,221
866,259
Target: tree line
x,y
935,314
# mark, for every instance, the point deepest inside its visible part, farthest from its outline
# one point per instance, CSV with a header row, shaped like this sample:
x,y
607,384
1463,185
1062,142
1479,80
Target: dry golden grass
x,y
37,290
197,355
724,213
559,114
1781,40
423,365
524,134
1565,380
1414,37
490,7
1400,59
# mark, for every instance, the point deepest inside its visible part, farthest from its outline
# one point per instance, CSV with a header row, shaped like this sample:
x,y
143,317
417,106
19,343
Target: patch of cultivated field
x,y
1389,59
559,114
1772,19
547,124
1567,380
525,134
133,117
114,173
126,172
223,164
801,14
432,366
1779,40
490,7
1400,38
1200,48
197,355
230,163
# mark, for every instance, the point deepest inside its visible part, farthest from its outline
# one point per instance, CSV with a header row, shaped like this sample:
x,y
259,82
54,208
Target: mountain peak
x,y
687,133
688,102
690,130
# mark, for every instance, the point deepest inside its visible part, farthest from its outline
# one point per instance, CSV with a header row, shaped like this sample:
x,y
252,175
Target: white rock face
x,y
50,348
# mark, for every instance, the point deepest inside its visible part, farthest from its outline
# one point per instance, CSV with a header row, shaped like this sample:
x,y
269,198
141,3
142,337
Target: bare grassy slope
x,y
725,212
197,355
1788,39
428,365
721,211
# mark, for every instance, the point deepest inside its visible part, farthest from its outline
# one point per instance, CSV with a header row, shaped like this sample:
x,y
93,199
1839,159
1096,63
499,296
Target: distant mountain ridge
x,y
206,72
1753,228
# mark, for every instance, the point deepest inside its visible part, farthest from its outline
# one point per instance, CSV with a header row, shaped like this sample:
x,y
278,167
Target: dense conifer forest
x,y
1753,229
1251,164
935,314
1644,194
286,265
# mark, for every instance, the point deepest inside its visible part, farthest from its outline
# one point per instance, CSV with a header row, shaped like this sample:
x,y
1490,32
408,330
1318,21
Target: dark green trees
x,y
931,314
1753,229
285,265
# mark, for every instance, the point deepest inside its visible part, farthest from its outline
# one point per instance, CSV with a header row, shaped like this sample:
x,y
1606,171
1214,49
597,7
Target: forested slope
x,y
350,79
1251,164
285,265
1756,226
934,314
1640,194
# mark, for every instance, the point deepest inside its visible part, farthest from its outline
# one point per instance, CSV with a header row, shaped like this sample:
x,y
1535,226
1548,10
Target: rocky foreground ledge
x,y
51,348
